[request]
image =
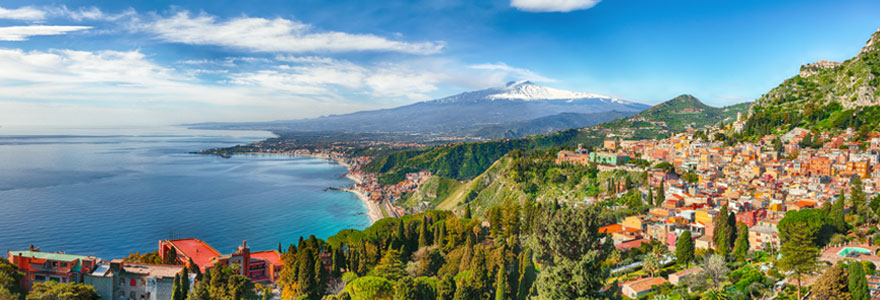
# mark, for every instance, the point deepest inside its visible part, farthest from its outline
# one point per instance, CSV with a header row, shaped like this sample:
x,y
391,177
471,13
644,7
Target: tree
x,y
833,284
721,232
875,206
741,246
405,289
467,211
51,290
777,144
338,262
171,256
650,198
176,289
684,248
572,251
857,195
838,215
651,263
715,271
424,239
500,282
10,277
306,285
446,288
390,266
661,193
858,285
798,252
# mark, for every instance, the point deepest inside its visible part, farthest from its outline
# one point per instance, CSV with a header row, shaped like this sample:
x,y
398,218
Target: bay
x,y
109,192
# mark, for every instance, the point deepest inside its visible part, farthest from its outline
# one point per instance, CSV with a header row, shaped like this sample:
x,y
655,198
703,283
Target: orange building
x,y
45,266
861,168
820,166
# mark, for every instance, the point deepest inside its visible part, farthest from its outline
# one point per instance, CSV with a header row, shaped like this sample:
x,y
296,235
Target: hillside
x,y
823,95
676,115
466,161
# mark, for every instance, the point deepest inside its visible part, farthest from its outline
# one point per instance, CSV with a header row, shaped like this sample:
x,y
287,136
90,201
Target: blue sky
x,y
167,62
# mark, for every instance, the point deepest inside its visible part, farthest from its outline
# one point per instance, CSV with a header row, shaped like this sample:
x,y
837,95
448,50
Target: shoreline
x,y
374,211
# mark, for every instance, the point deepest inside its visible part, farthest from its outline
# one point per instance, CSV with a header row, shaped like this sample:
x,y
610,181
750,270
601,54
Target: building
x,y
194,250
610,144
260,267
44,266
677,277
640,287
130,281
579,156
608,158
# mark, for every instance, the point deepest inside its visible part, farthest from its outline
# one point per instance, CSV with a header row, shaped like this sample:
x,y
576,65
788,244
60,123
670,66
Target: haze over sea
x,y
109,192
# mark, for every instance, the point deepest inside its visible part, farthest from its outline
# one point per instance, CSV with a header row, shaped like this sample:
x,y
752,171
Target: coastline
x,y
374,211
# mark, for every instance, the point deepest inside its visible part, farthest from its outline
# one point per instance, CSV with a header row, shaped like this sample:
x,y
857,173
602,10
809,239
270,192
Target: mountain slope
x,y
465,114
676,115
823,95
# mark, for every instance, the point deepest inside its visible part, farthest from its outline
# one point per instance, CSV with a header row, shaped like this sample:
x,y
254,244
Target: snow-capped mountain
x,y
520,106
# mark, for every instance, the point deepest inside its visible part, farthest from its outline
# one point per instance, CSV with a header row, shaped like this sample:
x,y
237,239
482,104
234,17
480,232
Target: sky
x,y
140,62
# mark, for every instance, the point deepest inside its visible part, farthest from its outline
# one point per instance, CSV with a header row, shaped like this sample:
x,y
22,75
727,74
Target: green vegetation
x,y
51,290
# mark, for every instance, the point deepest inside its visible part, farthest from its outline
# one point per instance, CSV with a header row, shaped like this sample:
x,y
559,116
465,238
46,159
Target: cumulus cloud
x,y
26,13
275,35
553,5
22,33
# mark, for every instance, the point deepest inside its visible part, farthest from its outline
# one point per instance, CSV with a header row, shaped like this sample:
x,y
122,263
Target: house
x,y
44,266
260,267
637,288
129,281
677,277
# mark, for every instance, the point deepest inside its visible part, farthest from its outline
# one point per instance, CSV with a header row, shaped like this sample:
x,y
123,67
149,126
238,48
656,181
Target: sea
x,y
108,192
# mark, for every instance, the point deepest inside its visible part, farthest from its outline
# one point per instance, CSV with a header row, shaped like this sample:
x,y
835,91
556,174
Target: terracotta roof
x,y
200,252
271,256
645,284
625,246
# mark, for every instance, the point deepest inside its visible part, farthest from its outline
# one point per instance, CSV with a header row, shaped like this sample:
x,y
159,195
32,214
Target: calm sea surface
x,y
109,192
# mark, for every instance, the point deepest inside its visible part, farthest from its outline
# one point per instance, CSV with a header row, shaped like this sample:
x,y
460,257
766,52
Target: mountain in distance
x,y
823,95
514,110
676,115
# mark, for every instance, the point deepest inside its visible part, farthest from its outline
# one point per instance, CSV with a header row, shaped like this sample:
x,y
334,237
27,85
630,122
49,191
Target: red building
x,y
45,266
750,218
260,267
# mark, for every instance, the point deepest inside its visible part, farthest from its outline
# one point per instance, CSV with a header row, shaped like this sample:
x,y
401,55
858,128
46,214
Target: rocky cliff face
x,y
853,83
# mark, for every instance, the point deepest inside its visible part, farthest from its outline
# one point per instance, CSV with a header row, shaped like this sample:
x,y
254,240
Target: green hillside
x,y
676,115
824,95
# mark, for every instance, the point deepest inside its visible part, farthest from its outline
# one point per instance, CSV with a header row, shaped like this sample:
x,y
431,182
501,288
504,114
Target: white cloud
x,y
26,13
88,13
276,35
22,33
503,72
553,5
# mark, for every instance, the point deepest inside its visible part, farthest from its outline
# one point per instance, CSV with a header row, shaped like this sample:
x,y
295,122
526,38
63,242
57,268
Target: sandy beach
x,y
374,212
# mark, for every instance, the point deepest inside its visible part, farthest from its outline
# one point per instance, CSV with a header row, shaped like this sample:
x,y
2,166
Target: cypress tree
x,y
741,246
467,211
661,193
184,283
857,196
423,234
838,215
858,285
500,280
720,233
171,256
176,290
650,196
279,248
305,283
338,262
320,278
399,235
684,249
731,230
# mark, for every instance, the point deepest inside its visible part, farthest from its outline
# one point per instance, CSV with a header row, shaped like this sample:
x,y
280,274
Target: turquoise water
x,y
846,251
111,192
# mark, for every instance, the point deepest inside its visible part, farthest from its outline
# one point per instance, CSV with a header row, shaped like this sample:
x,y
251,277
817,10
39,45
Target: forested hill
x,y
824,95
466,161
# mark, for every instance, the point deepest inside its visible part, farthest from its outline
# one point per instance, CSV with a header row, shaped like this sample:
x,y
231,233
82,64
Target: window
x,y
133,283
64,265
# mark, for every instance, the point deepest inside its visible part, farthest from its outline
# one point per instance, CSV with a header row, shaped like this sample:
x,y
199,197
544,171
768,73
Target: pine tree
x,y
832,284
399,235
279,248
405,289
320,278
741,246
423,234
798,251
684,249
731,230
858,285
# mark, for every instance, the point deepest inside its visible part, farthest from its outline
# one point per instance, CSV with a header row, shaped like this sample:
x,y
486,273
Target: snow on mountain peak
x,y
526,90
